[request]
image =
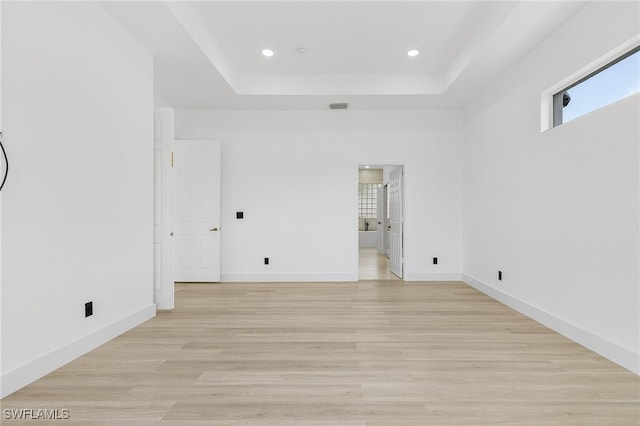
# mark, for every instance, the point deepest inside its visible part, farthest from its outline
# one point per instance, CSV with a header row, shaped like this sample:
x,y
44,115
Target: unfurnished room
x,y
321,213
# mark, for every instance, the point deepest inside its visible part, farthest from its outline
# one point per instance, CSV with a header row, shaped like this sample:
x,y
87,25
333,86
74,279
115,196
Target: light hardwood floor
x,y
373,266
367,353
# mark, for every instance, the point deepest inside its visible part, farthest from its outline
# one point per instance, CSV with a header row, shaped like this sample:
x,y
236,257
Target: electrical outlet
x,y
266,260
239,215
499,275
435,260
88,309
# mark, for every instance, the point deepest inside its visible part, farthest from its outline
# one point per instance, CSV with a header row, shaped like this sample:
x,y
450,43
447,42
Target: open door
x,y
197,211
380,214
385,220
162,209
396,215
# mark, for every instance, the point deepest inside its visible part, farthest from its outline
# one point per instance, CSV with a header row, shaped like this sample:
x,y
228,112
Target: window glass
x,y
615,81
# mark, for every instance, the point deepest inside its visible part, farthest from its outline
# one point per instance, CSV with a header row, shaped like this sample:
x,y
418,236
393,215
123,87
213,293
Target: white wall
x,y
2,170
77,112
294,174
557,211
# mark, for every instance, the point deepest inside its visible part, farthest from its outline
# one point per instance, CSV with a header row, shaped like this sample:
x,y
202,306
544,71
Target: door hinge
x,y
171,158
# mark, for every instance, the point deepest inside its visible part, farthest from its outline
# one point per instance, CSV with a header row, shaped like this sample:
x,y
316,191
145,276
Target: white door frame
x,y
163,283
381,165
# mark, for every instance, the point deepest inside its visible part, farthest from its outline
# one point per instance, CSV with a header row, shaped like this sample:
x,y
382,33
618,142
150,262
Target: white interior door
x,y
396,222
380,214
385,219
162,209
197,210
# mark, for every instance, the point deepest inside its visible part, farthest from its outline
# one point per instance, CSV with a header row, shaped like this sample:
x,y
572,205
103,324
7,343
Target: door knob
x,y
213,229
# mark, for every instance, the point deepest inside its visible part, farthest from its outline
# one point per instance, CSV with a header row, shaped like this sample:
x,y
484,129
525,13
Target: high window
x,y
614,81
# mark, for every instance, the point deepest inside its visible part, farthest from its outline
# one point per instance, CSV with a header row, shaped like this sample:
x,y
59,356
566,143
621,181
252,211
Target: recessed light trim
x,y
267,52
413,52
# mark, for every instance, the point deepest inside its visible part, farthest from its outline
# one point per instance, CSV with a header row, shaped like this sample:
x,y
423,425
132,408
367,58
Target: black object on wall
x,y
6,163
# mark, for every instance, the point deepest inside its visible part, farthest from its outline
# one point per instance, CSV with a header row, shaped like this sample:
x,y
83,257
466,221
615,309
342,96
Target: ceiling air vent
x,y
342,105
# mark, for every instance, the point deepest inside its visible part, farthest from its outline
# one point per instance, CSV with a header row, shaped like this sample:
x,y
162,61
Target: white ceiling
x,y
341,38
207,54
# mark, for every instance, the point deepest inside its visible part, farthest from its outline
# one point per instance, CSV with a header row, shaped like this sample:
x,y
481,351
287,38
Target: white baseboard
x,y
433,276
288,276
31,371
598,344
329,276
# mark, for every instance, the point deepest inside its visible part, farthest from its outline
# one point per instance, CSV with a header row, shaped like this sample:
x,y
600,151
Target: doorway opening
x,y
380,222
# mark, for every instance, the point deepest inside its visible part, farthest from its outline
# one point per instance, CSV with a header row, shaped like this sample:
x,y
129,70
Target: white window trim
x,y
546,110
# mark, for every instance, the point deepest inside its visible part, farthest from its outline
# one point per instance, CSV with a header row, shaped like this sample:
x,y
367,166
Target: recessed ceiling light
x,y
267,52
413,52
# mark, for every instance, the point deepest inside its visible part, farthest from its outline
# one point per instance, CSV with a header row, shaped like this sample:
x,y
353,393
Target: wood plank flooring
x,y
373,266
360,354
